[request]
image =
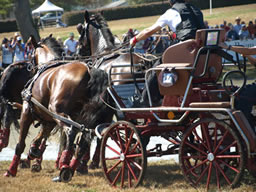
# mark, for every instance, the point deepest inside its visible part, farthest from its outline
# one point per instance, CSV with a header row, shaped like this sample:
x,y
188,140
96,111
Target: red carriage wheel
x,y
211,154
123,156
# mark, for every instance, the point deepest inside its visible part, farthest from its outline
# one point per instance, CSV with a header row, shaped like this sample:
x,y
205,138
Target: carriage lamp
x,y
170,115
168,77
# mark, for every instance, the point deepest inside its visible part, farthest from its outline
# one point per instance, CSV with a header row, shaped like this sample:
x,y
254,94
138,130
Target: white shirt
x,y
171,18
70,45
7,55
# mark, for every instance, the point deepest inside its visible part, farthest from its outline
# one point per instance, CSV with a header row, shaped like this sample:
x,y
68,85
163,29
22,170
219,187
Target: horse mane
x,y
95,111
106,32
55,47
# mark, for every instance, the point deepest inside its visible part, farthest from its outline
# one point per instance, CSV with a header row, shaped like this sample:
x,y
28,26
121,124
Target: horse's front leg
x,y
25,122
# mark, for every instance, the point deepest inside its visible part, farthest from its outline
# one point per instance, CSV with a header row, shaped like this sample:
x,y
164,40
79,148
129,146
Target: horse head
x,y
96,34
46,50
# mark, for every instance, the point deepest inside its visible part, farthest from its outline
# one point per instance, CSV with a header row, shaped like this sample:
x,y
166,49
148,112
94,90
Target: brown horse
x,y
62,90
16,75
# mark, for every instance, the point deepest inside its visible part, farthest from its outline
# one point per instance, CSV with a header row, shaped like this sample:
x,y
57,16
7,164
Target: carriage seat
x,y
184,55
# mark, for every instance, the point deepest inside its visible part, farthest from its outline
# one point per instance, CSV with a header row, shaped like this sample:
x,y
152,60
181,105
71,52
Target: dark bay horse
x,y
12,82
96,34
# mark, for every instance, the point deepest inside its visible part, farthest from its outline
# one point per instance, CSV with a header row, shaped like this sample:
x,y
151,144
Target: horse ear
x,y
33,41
86,16
50,36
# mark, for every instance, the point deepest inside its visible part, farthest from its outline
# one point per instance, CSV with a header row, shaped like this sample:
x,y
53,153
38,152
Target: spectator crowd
x,y
15,50
239,30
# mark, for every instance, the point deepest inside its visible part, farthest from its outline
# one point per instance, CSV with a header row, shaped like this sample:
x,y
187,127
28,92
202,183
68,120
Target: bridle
x,y
85,32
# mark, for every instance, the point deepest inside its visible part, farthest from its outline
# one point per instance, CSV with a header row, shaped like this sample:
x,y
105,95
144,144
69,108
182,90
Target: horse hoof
x,y
24,164
34,153
56,179
66,174
9,174
36,168
94,165
82,170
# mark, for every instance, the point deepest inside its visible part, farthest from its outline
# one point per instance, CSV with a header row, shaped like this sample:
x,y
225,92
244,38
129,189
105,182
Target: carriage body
x,y
214,141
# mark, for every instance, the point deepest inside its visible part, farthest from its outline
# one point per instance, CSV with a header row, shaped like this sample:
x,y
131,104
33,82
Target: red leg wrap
x,y
74,164
12,171
65,158
4,138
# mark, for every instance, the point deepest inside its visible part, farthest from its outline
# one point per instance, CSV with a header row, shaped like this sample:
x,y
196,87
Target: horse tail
x,y
94,111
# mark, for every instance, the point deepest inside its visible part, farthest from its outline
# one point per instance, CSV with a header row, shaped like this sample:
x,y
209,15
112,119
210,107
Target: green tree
x,y
5,7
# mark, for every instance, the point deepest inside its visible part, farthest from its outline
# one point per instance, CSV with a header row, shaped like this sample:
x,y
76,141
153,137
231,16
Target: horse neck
x,y
99,44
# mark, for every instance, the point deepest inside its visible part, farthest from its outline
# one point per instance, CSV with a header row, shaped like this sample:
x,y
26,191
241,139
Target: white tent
x,y
47,6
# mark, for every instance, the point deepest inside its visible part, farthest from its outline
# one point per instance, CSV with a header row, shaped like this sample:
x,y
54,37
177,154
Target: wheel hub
x,y
122,157
210,157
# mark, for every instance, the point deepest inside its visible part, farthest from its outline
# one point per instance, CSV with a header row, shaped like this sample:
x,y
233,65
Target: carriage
x,y
214,141
196,114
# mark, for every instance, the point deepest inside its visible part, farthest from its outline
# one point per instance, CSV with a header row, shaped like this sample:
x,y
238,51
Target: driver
x,y
182,18
246,98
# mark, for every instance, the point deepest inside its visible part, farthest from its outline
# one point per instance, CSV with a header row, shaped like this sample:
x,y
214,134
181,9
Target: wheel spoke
x,y
229,166
129,179
134,147
194,147
134,156
114,139
112,158
135,164
111,169
217,176
129,143
120,140
192,168
215,137
228,147
116,178
207,137
209,175
200,139
112,149
221,141
201,176
224,175
195,157
132,172
122,177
